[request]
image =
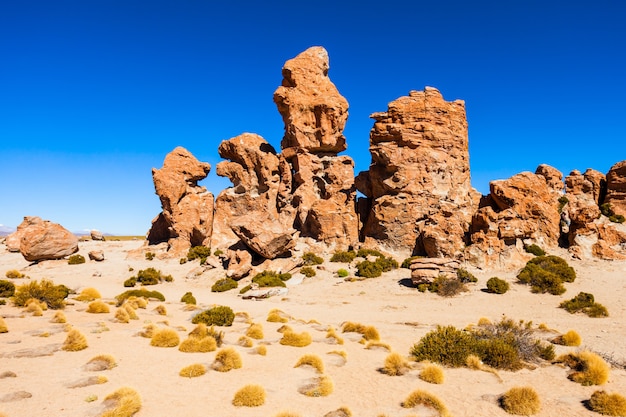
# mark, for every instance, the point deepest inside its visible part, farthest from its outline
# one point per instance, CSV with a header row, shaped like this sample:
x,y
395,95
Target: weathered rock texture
x,y
419,196
425,270
14,240
592,184
523,207
187,216
44,240
616,188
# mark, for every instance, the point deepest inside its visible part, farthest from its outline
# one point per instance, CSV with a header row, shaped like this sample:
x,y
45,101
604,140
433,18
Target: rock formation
x,y
616,188
426,270
419,196
14,240
43,240
96,235
592,183
187,216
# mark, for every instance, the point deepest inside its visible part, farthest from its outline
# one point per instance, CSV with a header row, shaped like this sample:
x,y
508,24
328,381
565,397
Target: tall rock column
x,y
616,188
419,196
314,113
187,216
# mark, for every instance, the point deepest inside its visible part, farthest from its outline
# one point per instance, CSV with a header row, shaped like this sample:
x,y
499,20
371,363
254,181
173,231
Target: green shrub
x,y
138,293
368,269
465,276
182,261
310,258
46,291
218,316
364,253
130,282
387,263
218,252
7,288
199,252
342,273
76,259
149,256
224,284
407,262
308,272
271,279
496,285
149,276
343,256
584,302
547,274
188,298
534,249
608,212
446,345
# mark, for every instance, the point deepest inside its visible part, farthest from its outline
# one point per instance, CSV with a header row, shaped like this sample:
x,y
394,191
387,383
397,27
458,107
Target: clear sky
x,y
94,94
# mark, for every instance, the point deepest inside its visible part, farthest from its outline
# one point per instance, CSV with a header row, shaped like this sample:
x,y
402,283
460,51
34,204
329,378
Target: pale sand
x,y
401,314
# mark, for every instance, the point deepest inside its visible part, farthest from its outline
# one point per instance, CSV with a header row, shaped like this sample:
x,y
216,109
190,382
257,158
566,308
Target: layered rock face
x,y
42,240
187,216
616,188
523,207
419,196
314,113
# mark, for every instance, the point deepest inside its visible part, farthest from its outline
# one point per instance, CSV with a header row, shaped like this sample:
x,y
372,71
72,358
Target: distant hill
x,y
5,230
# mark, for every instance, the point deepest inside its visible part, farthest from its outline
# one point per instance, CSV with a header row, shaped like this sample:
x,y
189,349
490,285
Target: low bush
x,y
534,250
149,276
130,282
608,404
218,316
571,338
342,273
138,293
45,290
126,402
426,399
199,252
277,316
149,256
7,288
76,259
226,360
465,276
588,368
521,401
547,274
395,365
255,331
195,344
310,258
98,307
271,279
249,396
224,284
192,371
291,338
13,274
447,345
343,256
218,252
165,338
447,287
88,294
433,374
74,341
188,298
607,211
496,285
322,387
308,272
368,269
365,252
584,302
313,361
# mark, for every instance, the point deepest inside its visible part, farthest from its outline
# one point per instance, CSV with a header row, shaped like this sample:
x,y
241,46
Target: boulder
x,y
239,264
553,177
187,216
264,235
96,235
14,240
425,270
616,188
592,183
46,240
96,255
418,186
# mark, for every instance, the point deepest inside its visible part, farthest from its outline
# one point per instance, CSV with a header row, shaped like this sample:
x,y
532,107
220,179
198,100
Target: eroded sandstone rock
x,y
46,240
616,188
13,240
187,216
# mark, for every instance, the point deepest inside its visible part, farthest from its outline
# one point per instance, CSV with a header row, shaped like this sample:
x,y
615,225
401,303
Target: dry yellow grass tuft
x,y
369,332
376,344
101,363
198,344
341,353
261,350
249,396
138,302
148,330
74,341
395,365
192,371
571,338
296,339
523,401
589,368
433,374
226,360
201,330
285,414
420,397
333,338
3,326
124,402
311,360
255,331
608,404
132,314
321,387
98,307
165,338
88,294
277,316
160,309
245,341
284,328
36,307
121,315
59,317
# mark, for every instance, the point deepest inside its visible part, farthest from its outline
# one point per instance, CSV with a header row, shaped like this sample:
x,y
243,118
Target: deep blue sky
x,y
93,94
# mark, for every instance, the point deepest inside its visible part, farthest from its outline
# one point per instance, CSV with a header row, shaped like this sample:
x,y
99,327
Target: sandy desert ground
x,y
44,374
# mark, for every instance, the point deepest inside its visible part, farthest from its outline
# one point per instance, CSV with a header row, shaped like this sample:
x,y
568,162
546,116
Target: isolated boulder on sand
x,y
47,240
13,240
